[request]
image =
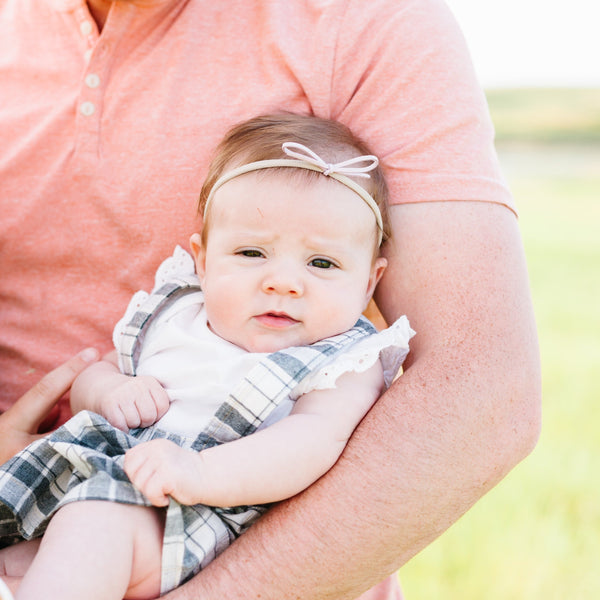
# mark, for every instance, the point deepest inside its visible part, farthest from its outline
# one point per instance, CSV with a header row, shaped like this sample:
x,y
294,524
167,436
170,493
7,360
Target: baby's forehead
x,y
273,200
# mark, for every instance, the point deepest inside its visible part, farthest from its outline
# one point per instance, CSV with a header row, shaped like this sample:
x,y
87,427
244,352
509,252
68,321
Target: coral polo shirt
x,y
105,137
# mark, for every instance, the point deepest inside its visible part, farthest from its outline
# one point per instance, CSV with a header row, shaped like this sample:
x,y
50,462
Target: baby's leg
x,y
98,551
15,561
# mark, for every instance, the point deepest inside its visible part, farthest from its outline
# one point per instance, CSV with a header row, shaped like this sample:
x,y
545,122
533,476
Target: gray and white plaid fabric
x,y
83,459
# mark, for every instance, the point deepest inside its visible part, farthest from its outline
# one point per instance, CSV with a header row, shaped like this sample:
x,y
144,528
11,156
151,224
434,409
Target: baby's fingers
x,y
161,400
114,415
146,476
152,405
153,490
135,460
129,410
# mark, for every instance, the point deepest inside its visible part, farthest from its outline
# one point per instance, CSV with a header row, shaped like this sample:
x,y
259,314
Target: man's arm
x,y
465,411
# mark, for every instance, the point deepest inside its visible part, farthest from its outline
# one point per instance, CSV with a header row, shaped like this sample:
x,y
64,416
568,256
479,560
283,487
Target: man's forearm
x,y
464,412
362,521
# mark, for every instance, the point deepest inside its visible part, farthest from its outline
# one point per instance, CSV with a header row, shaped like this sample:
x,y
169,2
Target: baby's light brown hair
x,y
261,138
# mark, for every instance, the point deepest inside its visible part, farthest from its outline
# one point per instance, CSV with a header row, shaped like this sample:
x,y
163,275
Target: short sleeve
x,y
403,79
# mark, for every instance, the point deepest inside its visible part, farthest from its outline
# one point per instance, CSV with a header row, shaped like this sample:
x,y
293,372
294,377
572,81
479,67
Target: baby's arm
x,y
126,402
269,465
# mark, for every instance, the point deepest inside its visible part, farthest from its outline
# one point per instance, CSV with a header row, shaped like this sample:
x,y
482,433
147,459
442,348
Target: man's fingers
x,y
31,409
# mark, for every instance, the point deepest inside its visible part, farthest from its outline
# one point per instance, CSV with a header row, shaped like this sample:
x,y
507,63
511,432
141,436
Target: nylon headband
x,y
312,163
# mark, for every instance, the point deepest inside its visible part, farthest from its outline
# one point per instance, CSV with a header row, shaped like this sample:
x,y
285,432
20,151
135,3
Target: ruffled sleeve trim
x,y
390,346
179,264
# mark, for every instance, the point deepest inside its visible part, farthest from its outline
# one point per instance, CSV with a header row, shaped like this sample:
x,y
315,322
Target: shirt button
x,y
86,28
92,80
87,108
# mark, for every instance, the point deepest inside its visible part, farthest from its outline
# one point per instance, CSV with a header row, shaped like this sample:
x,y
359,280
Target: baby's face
x,y
286,262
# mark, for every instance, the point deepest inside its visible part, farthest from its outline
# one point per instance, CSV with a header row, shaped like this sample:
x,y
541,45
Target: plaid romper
x,y
83,459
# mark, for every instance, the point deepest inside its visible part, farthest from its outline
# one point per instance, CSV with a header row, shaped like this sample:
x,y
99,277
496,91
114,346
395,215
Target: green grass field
x,y
546,115
537,535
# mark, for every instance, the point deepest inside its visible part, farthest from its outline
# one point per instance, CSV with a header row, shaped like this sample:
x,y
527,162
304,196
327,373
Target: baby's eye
x,y
251,253
321,263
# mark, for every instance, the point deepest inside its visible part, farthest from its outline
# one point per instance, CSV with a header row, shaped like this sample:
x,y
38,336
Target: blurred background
x,y
537,535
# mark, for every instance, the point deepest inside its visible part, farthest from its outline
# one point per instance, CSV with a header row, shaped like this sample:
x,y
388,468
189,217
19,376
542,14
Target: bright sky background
x,y
532,42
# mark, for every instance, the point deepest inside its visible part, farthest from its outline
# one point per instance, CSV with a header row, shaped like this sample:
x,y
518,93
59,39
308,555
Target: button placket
x,y
92,80
87,26
99,58
87,109
90,92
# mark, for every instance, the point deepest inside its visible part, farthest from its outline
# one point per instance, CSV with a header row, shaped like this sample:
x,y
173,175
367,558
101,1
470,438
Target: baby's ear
x,y
377,270
199,254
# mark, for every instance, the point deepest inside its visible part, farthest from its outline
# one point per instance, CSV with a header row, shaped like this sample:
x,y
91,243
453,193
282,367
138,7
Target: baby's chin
x,y
268,346
273,341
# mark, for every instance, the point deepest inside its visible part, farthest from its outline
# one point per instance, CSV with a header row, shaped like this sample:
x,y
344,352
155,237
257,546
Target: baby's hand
x,y
161,468
135,402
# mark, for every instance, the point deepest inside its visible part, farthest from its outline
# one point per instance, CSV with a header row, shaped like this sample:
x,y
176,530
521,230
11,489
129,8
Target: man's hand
x,y
19,424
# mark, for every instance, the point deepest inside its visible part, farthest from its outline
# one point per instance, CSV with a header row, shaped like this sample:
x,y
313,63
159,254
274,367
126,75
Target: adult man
x,y
109,109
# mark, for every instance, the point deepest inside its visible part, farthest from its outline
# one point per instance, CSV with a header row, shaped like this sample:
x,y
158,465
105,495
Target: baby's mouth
x,y
276,320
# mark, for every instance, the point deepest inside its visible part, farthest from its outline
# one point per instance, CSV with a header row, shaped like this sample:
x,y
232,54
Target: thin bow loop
x,y
348,167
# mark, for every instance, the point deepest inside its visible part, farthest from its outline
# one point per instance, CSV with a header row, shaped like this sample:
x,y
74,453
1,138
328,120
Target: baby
x,y
236,383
